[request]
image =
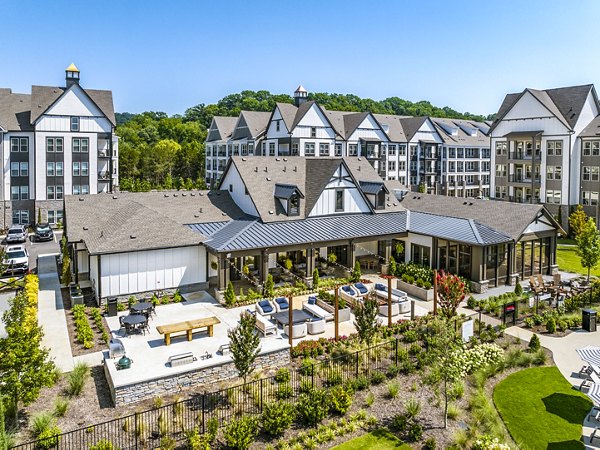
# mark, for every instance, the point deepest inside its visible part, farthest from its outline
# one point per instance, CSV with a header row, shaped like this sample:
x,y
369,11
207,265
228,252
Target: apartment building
x,y
406,149
55,141
546,148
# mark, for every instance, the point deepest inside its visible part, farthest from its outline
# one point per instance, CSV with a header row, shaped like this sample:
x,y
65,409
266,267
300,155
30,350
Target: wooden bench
x,y
188,326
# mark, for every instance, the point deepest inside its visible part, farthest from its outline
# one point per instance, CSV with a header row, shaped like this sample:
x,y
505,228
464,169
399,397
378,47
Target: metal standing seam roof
x,y
286,190
371,187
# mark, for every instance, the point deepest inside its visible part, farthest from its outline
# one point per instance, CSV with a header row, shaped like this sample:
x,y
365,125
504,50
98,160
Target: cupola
x,y
300,95
72,75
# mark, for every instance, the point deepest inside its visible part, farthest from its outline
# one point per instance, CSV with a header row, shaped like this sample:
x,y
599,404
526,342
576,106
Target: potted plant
x,y
246,269
214,265
332,258
288,264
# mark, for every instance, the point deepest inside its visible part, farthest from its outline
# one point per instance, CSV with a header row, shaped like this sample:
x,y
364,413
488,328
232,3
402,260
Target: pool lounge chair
x,y
591,378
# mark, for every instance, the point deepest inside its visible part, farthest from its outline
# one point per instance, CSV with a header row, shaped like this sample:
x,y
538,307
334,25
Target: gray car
x,y
16,233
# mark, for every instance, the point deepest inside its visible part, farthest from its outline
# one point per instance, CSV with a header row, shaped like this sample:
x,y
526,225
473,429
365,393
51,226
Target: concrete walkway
x,y
51,314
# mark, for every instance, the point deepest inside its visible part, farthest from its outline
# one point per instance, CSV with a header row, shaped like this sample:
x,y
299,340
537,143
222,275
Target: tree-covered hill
x,y
158,151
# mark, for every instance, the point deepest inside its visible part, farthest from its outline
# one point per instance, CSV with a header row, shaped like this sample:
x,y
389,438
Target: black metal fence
x,y
145,429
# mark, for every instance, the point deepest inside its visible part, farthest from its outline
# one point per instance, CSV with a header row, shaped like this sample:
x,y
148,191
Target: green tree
x,y
66,276
588,246
229,295
392,266
356,273
315,278
269,290
244,345
422,188
168,183
25,367
365,317
39,215
451,290
577,221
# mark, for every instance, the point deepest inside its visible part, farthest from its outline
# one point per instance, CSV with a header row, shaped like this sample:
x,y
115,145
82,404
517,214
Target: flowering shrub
x,y
464,361
487,442
451,291
416,271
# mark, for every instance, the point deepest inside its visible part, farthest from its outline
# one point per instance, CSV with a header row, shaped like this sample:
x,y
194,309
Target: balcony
x,y
523,156
525,179
104,153
519,199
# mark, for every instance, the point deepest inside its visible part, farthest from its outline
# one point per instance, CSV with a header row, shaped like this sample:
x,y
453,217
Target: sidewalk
x,y
51,314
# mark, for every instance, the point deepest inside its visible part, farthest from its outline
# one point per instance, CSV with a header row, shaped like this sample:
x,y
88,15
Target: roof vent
x,y
196,215
132,236
359,158
266,169
295,168
464,203
358,168
218,192
81,199
256,169
166,195
389,204
115,197
471,204
223,214
395,204
85,228
192,194
268,178
284,168
201,194
243,159
200,210
271,212
175,195
183,194
284,159
277,159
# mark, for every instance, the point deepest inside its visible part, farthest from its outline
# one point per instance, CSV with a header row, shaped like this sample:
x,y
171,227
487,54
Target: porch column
x,y
223,272
388,250
351,248
310,262
264,265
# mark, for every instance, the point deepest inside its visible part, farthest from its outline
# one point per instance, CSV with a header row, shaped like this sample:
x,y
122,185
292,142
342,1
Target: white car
x,y
16,259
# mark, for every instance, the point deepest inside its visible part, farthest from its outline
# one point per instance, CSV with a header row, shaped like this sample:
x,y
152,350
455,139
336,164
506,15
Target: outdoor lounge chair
x,y
312,307
281,304
383,309
592,378
361,288
265,307
594,434
585,371
399,297
316,326
349,293
298,330
265,326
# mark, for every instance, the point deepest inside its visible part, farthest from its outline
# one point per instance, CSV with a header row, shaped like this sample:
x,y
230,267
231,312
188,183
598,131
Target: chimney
x,y
72,75
300,95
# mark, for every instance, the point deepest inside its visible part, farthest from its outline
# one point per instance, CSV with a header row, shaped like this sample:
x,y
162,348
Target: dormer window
x,y
313,132
380,203
294,205
339,200
277,125
74,123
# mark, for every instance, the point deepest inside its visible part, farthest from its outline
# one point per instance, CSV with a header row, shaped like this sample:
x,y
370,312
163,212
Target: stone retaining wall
x,y
198,378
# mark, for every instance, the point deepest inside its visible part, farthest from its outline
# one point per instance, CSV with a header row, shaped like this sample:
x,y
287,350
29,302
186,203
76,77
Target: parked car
x,y
43,232
16,233
16,259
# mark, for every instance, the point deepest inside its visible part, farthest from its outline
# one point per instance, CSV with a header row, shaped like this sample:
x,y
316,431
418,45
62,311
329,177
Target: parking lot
x,y
39,248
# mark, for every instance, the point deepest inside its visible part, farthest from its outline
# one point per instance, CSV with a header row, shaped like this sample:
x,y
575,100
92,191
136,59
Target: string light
x,y
373,254
243,274
290,272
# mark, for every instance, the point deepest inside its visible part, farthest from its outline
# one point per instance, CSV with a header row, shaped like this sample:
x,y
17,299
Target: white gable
x,y
539,225
427,132
74,102
528,107
313,118
233,183
272,128
353,202
588,112
368,128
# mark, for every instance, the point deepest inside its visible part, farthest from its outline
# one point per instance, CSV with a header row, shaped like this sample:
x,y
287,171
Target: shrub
x,y
412,407
340,399
77,378
419,283
308,349
60,406
518,289
400,422
392,371
307,367
41,422
229,296
430,444
393,389
537,319
103,444
284,391
49,437
277,417
540,357
177,297
377,377
472,302
369,399
551,325
410,336
196,441
283,375
360,383
415,432
534,343
312,407
167,443
453,411
529,322
212,428
240,433
83,331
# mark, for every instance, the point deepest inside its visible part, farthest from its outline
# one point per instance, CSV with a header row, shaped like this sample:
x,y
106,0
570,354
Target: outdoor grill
x,y
124,363
116,348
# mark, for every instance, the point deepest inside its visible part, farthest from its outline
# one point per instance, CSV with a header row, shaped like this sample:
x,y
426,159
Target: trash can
x,y
112,307
588,319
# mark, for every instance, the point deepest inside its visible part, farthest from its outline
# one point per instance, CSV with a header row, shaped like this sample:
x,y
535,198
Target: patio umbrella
x,y
594,393
590,354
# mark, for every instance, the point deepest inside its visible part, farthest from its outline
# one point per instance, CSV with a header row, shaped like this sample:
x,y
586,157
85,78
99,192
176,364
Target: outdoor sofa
x,y
314,309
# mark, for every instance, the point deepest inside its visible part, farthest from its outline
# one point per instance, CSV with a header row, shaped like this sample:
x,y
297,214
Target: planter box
x,y
415,291
343,314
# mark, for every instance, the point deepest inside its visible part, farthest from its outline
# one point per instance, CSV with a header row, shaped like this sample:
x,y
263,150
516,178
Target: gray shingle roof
x,y
15,111
592,130
352,121
154,218
507,218
257,122
411,125
288,114
221,128
481,139
42,97
395,131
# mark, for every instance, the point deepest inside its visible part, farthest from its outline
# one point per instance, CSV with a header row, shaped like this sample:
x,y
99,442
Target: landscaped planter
x,y
343,314
415,291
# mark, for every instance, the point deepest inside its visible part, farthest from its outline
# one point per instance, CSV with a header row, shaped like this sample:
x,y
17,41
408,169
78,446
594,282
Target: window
x,y
54,145
50,192
50,169
271,148
554,148
80,145
590,173
18,144
236,149
555,172
14,169
392,150
231,188
84,169
76,169
76,189
591,148
251,148
295,149
264,148
392,165
85,189
501,148
402,166
553,196
59,169
24,169
55,216
500,170
420,254
20,217
59,192
402,180
14,192
74,123
309,149
313,132
277,125
338,149
589,198
402,150
294,205
323,149
452,153
209,150
24,192
452,166
339,200
244,149
500,191
352,150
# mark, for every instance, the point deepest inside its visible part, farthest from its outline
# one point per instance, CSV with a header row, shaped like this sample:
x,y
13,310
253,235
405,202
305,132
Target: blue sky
x,y
170,55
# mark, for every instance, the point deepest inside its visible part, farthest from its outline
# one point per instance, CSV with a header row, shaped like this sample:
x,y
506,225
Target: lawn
x,y
381,439
541,409
567,260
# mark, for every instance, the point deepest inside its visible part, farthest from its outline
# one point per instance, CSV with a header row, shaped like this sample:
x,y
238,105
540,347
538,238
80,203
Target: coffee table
x,y
298,316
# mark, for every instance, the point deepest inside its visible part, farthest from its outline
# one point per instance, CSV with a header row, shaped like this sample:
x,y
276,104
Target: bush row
x,y
85,335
